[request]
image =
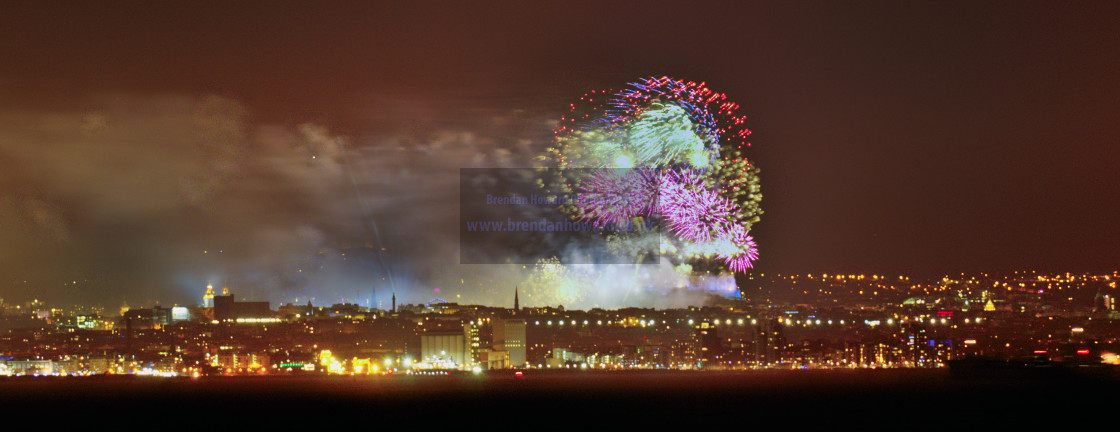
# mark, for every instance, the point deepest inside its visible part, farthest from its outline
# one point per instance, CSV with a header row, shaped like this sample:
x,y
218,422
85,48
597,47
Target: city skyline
x,y
760,289
841,322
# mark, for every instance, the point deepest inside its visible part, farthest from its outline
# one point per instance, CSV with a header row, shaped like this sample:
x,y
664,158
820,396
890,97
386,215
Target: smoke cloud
x,y
145,199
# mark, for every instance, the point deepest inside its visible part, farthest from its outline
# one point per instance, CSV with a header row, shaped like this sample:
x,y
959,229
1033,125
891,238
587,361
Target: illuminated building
x,y
472,340
208,297
30,367
156,317
564,356
491,359
88,322
236,362
441,306
922,350
683,353
769,342
162,315
443,348
509,335
98,364
179,313
707,340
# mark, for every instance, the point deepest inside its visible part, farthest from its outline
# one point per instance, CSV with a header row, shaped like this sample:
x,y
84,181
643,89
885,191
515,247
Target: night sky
x,y
893,137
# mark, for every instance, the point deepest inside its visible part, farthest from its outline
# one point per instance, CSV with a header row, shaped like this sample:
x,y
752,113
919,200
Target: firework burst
x,y
694,212
687,143
615,196
744,251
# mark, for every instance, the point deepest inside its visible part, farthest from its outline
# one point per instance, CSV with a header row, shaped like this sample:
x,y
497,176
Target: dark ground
x,y
923,398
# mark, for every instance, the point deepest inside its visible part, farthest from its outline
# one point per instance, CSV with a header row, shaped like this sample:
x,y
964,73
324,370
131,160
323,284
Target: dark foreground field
x,y
580,399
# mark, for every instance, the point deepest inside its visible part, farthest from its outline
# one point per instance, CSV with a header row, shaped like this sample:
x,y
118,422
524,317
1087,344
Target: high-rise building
x,y
509,335
769,342
707,340
472,339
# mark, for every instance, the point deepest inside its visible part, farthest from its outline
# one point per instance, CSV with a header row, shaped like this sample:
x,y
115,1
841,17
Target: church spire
x,y
516,304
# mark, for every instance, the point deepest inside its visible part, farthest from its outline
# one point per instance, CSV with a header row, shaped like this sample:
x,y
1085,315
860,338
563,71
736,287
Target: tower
x,y
516,304
394,303
208,298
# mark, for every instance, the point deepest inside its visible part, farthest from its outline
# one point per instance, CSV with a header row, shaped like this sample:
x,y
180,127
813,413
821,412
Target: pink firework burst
x,y
614,196
694,212
746,250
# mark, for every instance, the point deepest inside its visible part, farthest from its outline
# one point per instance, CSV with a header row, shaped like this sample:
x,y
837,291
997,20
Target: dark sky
x,y
915,137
